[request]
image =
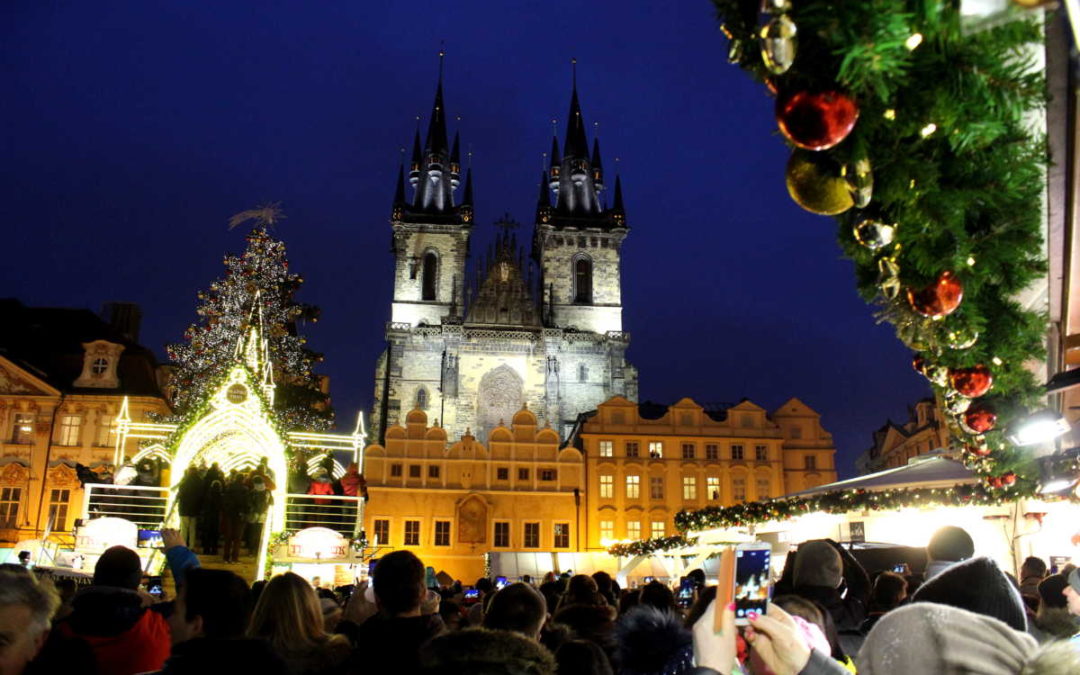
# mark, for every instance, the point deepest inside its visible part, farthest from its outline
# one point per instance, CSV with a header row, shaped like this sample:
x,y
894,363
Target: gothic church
x,y
473,354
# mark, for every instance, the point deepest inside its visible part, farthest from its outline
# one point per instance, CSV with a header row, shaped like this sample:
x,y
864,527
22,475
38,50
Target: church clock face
x,y
237,393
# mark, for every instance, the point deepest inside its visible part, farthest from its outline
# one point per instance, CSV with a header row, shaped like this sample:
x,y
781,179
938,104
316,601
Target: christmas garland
x,y
650,546
909,127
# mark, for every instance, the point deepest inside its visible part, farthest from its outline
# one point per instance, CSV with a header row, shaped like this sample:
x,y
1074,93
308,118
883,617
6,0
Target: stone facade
x,y
895,444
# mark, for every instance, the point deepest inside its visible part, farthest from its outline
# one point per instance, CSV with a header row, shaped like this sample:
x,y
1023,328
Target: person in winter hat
x,y
481,650
1072,599
1052,620
948,545
651,640
819,569
977,585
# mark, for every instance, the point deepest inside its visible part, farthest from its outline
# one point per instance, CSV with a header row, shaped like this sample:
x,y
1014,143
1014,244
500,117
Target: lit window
x,y
607,529
502,534
688,451
657,528
532,535
656,449
656,487
606,449
105,432
9,507
562,535
633,529
736,452
689,488
762,488
761,453
547,474
607,486
23,431
712,451
633,487
442,532
738,489
58,509
382,532
712,483
631,449
69,429
412,532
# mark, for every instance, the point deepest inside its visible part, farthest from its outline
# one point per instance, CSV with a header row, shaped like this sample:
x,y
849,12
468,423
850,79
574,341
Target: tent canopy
x,y
926,471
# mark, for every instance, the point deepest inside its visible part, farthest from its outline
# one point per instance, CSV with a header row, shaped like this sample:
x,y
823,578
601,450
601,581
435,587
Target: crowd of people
x,y
223,513
828,616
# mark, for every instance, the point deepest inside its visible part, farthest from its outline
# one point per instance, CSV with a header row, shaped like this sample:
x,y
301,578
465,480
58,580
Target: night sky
x,y
133,130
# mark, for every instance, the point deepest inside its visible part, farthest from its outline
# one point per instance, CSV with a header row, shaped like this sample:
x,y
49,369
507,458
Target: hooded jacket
x,y
125,637
650,640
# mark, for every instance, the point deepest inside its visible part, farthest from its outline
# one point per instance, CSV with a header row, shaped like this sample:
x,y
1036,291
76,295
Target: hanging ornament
x,y
861,182
980,418
961,338
874,234
956,403
816,120
972,382
779,42
978,449
889,278
994,482
1008,479
938,375
940,298
815,183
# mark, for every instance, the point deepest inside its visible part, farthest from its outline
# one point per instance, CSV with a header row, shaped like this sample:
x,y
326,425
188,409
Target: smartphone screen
x,y
751,582
685,597
500,582
149,539
472,594
153,586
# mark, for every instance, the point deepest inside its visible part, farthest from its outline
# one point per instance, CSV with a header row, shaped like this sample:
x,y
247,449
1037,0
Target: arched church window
x,y
421,398
583,373
430,274
583,281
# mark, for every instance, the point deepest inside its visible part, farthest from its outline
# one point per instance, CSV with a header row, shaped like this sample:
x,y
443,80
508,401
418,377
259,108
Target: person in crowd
x,y
587,614
27,606
475,613
208,622
189,498
552,592
210,516
235,503
481,650
259,499
977,585
24,558
889,592
359,608
658,595
452,616
390,640
351,481
124,635
263,471
582,590
581,657
815,615
1072,598
820,568
1032,572
1052,620
652,640
289,617
948,545
518,607
331,613
606,586
628,599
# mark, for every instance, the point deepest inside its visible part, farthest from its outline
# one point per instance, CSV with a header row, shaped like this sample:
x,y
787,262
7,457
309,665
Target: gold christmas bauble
x,y
874,234
778,44
815,182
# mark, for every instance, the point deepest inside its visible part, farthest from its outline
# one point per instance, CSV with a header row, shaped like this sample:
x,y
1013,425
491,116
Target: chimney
x,y
124,317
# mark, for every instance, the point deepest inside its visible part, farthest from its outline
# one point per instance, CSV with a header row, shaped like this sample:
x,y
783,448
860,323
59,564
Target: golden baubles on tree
x,y
815,183
779,43
874,234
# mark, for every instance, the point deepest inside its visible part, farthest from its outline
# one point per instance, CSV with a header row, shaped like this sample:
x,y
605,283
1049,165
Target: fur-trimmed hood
x,y
1053,623
651,640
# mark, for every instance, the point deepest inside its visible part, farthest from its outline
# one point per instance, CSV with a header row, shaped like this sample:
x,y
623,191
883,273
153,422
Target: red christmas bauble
x,y
980,418
978,450
971,382
816,120
1009,478
940,298
994,481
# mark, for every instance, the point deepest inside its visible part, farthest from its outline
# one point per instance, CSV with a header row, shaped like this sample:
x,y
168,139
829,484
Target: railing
x,y
144,506
338,513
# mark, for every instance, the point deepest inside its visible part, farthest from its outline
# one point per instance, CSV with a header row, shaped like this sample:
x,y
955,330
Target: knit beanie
x,y
929,638
977,585
818,563
1052,591
119,567
950,543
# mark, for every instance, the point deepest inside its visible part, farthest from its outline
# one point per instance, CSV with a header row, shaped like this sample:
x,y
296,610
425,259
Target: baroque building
x,y
542,331
895,444
64,376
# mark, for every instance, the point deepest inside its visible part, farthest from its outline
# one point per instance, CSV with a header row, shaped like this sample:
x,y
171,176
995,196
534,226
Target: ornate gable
x,y
15,380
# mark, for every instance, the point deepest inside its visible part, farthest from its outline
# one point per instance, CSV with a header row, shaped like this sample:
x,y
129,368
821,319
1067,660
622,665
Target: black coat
x,y
189,496
392,645
205,656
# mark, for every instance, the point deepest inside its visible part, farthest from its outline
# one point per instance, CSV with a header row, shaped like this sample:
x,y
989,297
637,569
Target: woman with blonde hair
x,y
289,616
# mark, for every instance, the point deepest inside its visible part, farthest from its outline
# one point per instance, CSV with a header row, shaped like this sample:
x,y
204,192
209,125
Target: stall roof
x,y
925,471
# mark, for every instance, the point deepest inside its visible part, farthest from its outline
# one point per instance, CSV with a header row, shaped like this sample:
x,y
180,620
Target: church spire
x,y
417,156
435,143
436,168
576,145
597,167
399,192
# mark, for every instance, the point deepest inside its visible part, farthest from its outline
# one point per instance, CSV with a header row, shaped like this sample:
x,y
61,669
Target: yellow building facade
x,y
645,463
451,503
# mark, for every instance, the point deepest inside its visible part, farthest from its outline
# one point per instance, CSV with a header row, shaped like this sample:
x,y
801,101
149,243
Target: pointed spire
x,y
576,144
417,157
596,165
455,153
435,142
555,161
618,206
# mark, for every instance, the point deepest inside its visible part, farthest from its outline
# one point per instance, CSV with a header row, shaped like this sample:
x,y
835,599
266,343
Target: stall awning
x,y
927,471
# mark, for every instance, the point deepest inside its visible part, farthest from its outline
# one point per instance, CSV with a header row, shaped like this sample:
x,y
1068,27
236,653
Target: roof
x,y
925,471
48,342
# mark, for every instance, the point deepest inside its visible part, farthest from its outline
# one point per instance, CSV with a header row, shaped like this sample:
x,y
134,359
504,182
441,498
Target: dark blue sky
x,y
134,129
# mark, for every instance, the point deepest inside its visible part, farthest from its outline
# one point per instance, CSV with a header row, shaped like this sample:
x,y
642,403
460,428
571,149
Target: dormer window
x,y
99,367
100,361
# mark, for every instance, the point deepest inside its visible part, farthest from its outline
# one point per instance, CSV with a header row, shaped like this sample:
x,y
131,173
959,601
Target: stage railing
x,y
338,513
144,506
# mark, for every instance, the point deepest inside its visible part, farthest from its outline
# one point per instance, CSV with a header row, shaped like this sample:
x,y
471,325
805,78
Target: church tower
x,y
577,241
431,230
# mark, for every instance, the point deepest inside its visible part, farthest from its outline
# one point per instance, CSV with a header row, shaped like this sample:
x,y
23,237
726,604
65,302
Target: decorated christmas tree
x,y
261,274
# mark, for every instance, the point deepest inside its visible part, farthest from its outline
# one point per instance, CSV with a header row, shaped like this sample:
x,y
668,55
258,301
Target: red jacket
x,y
319,488
142,647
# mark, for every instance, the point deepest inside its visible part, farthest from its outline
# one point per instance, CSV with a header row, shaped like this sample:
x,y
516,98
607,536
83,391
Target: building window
x,y
632,449
656,449
69,429
582,373
99,366
395,471
810,462
796,432
382,532
532,535
412,532
738,489
688,451
633,529
430,275
762,488
23,431
502,535
737,452
547,474
502,473
606,449
421,399
712,484
607,530
58,509
523,474
105,432
657,528
414,471
761,453
712,451
562,535
442,532
633,487
689,488
9,507
433,471
607,486
656,487
583,281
